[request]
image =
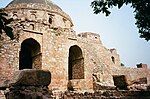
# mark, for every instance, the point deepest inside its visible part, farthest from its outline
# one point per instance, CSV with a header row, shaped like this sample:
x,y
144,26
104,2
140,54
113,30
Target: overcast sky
x,y
116,31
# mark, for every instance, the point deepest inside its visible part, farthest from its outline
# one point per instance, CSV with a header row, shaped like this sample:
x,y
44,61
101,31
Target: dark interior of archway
x,y
76,63
29,50
25,58
50,20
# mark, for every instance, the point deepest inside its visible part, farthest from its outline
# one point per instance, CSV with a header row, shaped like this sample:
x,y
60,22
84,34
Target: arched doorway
x,y
30,55
76,63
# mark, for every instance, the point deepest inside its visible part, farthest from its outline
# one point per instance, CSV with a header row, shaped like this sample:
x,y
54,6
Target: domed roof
x,y
44,2
46,5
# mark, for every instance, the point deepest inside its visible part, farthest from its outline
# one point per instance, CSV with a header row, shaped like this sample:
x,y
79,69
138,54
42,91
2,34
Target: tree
x,y
141,10
4,22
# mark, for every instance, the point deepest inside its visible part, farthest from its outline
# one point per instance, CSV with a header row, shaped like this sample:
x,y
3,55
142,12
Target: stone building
x,y
45,39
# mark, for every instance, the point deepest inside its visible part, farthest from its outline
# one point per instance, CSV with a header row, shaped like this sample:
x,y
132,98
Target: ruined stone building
x,y
45,39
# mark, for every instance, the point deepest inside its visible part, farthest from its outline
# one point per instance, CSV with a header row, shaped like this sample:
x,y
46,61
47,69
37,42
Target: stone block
x,y
30,77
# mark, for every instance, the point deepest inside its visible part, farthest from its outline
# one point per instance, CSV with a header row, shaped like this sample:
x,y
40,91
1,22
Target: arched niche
x,y
30,56
50,20
15,16
33,17
76,63
51,17
31,27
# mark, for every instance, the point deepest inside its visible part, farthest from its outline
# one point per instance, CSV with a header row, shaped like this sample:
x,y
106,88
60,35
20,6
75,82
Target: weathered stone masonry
x,y
45,40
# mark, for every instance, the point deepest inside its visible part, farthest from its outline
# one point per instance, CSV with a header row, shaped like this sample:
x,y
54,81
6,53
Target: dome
x,y
46,5
44,2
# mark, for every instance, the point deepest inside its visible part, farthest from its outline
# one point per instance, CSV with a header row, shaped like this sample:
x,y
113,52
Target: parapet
x,y
93,37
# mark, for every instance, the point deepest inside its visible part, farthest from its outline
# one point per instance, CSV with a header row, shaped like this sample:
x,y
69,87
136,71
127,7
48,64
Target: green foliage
x,y
4,22
141,10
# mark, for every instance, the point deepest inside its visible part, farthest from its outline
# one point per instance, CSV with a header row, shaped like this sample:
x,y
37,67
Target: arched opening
x,y
15,16
51,17
113,59
50,20
76,63
31,27
30,55
33,17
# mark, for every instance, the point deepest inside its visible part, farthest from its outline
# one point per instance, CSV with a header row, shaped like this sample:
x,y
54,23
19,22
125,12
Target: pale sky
x,y
116,31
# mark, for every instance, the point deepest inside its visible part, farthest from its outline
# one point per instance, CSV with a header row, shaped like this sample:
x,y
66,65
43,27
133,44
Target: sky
x,y
116,31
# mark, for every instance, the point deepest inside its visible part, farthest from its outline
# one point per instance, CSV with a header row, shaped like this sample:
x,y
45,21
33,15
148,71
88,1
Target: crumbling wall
x,y
134,75
97,58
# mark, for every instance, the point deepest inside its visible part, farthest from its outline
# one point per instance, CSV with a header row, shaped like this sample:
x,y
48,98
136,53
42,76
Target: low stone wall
x,y
104,94
132,74
28,92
